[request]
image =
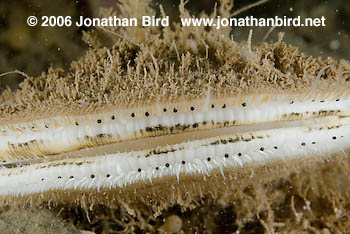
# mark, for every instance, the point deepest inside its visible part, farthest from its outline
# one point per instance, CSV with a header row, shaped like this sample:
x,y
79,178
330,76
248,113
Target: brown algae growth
x,y
169,122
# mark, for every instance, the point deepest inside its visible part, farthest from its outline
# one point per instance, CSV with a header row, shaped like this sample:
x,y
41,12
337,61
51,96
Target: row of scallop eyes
x,y
92,176
303,144
99,121
192,108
